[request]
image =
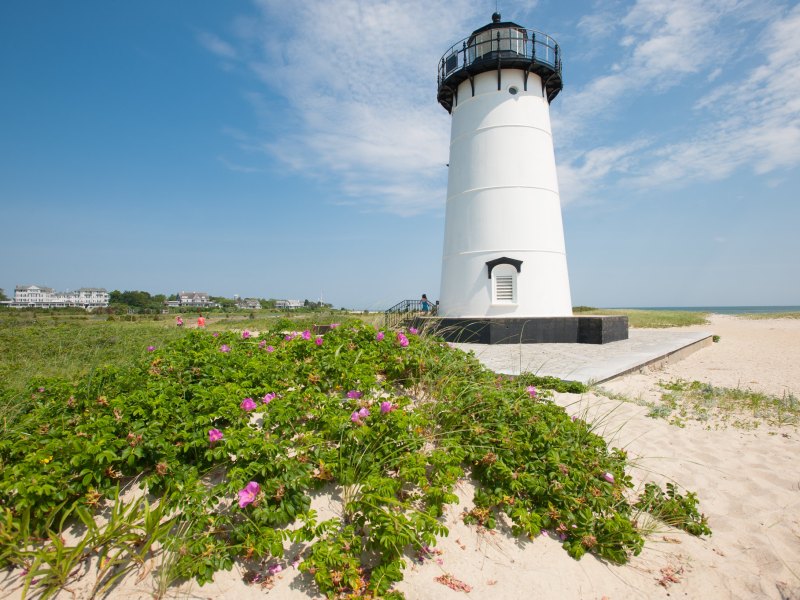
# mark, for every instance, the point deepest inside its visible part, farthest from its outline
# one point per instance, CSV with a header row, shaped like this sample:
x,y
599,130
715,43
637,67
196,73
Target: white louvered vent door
x,y
504,288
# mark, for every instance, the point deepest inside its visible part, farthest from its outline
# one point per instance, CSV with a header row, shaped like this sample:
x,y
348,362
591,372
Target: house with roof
x,y
248,303
39,296
195,300
289,304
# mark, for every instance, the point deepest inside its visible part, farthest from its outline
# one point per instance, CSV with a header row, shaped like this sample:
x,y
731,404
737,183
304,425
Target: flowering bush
x,y
391,425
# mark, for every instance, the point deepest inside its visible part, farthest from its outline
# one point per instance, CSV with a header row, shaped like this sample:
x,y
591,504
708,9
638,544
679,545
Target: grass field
x,y
42,345
37,345
651,318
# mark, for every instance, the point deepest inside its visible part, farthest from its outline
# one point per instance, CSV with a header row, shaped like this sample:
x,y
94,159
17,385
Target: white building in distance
x,y
39,296
289,304
248,303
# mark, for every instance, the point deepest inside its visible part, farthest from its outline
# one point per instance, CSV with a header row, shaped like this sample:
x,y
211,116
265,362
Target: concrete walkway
x,y
591,363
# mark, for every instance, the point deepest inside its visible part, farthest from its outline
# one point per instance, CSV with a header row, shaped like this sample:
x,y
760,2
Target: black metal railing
x,y
510,46
532,45
406,309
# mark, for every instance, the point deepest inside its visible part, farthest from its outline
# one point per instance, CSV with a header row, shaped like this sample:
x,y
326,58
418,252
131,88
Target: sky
x,y
296,149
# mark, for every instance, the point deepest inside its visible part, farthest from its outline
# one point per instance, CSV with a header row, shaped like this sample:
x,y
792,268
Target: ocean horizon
x,y
723,310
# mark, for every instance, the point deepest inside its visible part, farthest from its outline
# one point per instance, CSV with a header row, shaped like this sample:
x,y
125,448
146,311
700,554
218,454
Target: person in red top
x,y
201,320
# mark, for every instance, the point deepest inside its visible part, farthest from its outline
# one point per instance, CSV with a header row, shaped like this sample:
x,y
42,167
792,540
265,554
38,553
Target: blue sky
x,y
296,150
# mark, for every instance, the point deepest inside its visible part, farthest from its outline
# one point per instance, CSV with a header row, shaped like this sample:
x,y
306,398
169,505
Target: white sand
x,y
747,481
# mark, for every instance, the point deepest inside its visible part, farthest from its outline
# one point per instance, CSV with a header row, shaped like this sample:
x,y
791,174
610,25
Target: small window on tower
x,y
504,285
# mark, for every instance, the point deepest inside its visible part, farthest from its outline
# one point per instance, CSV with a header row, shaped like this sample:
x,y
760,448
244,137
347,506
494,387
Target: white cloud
x,y
360,81
582,177
664,41
750,122
215,45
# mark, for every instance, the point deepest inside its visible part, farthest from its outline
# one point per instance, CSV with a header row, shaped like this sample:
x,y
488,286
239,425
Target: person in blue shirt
x,y
426,304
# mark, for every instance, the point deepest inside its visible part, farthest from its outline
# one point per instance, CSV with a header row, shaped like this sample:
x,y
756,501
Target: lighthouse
x,y
504,263
504,253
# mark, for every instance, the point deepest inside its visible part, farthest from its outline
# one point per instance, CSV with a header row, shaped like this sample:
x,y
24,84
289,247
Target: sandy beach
x,y
746,477
747,481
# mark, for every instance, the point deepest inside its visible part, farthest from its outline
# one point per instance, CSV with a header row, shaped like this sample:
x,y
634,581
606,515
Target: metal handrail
x,y
401,311
536,46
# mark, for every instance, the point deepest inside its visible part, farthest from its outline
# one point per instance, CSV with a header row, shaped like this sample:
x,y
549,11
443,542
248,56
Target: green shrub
x,y
390,422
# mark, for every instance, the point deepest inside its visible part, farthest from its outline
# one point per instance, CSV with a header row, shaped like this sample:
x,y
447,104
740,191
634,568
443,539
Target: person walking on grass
x,y
201,320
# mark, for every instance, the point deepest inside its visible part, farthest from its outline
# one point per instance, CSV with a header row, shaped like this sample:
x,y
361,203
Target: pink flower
x,y
333,325
269,397
380,335
270,349
41,389
248,494
215,334
224,348
386,407
531,391
609,477
214,435
413,330
354,394
274,569
149,349
359,414
245,334
402,339
306,335
288,337
318,341
248,404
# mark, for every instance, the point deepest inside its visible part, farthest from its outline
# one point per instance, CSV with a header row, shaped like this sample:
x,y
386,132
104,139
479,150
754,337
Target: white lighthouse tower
x,y
504,254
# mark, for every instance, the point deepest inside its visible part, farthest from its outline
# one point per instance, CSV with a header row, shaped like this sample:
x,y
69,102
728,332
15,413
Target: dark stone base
x,y
531,330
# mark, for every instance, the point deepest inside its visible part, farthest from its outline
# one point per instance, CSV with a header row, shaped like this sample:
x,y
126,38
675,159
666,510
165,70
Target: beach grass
x,y
656,319
683,401
739,407
71,346
781,315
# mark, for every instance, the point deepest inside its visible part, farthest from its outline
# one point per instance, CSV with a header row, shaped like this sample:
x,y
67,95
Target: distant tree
x,y
137,300
223,302
3,295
